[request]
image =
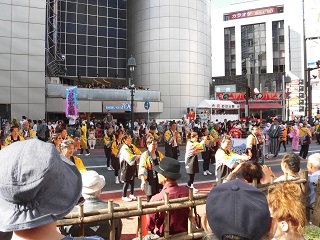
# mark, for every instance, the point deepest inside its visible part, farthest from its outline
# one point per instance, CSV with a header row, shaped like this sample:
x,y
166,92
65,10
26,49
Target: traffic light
x,y
250,92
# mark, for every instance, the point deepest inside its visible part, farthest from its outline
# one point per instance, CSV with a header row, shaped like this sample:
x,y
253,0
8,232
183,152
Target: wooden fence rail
x,y
165,206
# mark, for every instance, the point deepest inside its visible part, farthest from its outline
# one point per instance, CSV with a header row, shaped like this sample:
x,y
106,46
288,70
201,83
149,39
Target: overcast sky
x,y
223,3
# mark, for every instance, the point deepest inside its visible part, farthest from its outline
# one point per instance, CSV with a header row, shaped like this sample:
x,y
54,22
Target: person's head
x,y
92,184
168,170
192,136
39,121
38,186
173,125
110,130
14,130
237,209
205,131
67,148
64,133
275,121
255,129
217,126
127,139
251,170
152,128
226,142
290,163
25,125
119,134
313,163
286,208
56,139
152,144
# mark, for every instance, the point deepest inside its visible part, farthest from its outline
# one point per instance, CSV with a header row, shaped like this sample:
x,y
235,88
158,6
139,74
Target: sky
x,y
223,3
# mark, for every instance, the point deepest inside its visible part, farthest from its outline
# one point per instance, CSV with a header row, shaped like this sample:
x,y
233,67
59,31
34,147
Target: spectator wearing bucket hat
x,y
38,186
91,190
237,209
168,174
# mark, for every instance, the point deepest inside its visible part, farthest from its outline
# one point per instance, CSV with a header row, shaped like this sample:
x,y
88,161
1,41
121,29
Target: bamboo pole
x,y
286,176
304,188
112,229
81,216
190,211
135,207
166,217
255,182
140,219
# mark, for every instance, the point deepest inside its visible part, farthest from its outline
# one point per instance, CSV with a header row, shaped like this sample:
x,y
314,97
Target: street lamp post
x,y
214,88
131,65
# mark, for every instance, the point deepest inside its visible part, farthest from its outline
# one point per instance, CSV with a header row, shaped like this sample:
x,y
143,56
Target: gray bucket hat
x,y
38,186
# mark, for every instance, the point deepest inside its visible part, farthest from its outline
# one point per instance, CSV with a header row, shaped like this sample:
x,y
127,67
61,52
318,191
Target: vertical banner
x,y
71,102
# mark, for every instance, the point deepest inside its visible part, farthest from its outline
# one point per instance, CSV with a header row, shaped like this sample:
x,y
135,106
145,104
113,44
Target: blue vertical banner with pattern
x,y
71,102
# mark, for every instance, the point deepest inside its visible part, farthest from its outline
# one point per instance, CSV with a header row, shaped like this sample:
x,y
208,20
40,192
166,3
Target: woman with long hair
x,y
92,137
207,153
288,217
56,139
191,158
128,156
226,160
115,149
148,176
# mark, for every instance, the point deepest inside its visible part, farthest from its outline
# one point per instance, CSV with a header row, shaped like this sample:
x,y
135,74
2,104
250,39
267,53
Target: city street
x,y
97,161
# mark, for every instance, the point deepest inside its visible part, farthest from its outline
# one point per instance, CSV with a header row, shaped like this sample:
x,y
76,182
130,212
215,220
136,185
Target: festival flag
x,y
71,102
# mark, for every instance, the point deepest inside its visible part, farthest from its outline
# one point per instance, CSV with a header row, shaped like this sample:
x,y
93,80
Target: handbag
x,y
197,218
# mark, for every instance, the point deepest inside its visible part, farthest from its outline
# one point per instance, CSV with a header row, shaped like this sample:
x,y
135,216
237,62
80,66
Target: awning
x,y
261,105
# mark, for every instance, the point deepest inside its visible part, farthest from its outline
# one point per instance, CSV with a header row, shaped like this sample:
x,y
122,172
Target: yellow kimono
x,y
154,135
8,140
225,160
145,164
79,164
29,134
215,136
109,141
83,137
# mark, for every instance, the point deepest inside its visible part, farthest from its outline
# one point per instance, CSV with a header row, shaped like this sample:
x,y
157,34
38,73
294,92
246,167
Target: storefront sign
x,y
235,96
253,13
71,102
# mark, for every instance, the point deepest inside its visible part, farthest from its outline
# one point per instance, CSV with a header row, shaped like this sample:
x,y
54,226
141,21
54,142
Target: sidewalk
x,y
129,225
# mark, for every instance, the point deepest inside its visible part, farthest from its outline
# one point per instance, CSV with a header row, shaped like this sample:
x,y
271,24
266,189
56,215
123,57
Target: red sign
x,y
240,96
253,13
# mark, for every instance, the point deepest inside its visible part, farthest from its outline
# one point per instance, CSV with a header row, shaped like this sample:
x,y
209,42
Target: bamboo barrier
x,y
316,212
190,202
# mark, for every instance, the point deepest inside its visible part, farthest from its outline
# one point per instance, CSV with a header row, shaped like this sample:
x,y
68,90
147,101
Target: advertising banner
x,y
240,96
71,102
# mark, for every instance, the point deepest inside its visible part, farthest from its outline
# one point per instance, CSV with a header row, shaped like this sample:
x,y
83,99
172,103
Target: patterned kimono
x,y
294,134
127,157
274,134
225,160
191,156
83,137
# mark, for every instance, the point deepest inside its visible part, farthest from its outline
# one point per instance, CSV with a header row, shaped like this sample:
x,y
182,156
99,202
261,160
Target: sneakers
x,y
193,188
209,173
109,169
117,180
205,173
87,154
132,197
126,199
79,154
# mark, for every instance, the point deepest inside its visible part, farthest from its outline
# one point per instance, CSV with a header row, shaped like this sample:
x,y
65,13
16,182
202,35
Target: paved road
x,y
97,161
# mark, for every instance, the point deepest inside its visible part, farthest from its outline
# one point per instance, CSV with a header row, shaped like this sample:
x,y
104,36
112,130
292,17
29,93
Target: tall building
x,y
171,42
263,48
22,58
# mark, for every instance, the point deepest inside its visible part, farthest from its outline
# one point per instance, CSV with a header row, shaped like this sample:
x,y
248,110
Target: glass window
x,y
81,60
122,73
102,21
71,71
92,10
70,59
112,42
122,14
71,28
82,18
92,30
102,12
102,2
121,33
113,3
81,70
92,20
122,43
102,41
92,40
122,23
92,51
122,5
112,72
102,62
82,39
82,1
122,53
103,52
112,32
112,62
102,31
102,72
112,52
82,29
92,61
71,17
92,72
122,63
81,49
112,22
71,38
112,13
82,8
71,7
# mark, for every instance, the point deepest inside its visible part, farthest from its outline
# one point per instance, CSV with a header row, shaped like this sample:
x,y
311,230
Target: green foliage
x,y
311,232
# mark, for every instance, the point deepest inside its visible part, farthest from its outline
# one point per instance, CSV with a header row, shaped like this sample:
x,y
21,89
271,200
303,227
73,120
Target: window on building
x,y
230,57
278,46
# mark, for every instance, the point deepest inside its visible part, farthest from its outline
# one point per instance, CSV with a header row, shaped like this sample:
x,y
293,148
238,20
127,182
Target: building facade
x,y
263,48
22,58
171,42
